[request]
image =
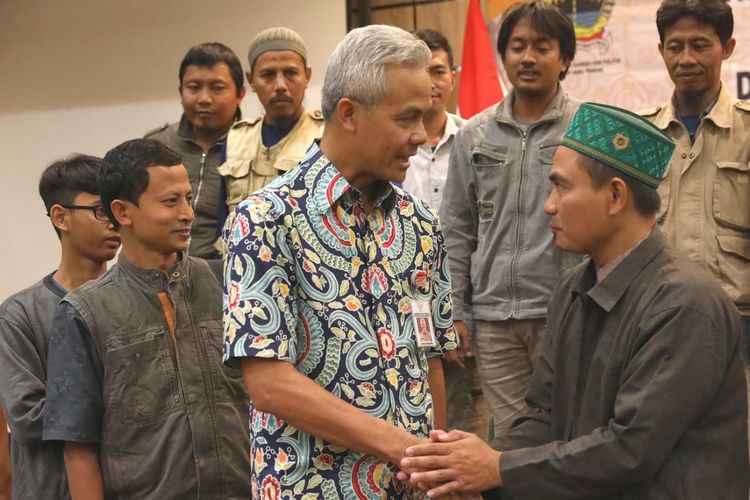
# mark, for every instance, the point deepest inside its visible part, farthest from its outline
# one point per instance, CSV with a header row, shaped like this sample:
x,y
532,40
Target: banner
x,y
617,57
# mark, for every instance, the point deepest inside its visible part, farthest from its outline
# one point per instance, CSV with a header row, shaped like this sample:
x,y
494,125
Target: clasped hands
x,y
453,464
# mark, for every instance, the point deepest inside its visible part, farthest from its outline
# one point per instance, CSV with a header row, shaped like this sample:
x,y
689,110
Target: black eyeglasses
x,y
99,213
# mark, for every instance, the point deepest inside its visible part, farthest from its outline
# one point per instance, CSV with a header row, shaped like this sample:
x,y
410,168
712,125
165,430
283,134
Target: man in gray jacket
x,y
495,228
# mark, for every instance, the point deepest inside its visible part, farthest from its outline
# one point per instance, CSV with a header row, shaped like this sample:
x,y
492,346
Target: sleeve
x,y
260,314
223,209
74,407
643,429
458,212
22,386
442,308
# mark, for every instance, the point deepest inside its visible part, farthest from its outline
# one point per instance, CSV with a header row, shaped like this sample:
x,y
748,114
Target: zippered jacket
x,y
144,349
498,238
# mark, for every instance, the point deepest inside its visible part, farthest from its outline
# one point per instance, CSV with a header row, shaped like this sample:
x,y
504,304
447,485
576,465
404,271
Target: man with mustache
x,y
705,194
136,388
502,258
211,91
87,241
259,150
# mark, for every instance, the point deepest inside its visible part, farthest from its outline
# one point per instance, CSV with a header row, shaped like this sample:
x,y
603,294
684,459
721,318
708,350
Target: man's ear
x,y
59,217
566,64
619,193
348,112
121,211
728,48
249,76
308,74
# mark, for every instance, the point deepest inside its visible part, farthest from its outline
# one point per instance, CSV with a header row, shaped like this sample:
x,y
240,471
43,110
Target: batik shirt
x,y
314,280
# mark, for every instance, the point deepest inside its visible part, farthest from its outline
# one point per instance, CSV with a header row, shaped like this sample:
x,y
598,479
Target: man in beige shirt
x,y
261,149
706,191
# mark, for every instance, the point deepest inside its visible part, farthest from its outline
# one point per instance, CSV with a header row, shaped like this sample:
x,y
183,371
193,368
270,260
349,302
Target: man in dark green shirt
x,y
211,91
638,390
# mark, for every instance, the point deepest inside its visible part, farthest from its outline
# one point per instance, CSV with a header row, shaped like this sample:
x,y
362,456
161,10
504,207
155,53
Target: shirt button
x,y
433,159
692,155
436,190
684,155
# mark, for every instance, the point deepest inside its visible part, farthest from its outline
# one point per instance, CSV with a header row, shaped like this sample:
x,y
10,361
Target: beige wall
x,y
85,75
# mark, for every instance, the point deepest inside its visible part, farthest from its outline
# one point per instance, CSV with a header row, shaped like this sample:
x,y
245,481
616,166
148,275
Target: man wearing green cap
x,y
261,149
638,391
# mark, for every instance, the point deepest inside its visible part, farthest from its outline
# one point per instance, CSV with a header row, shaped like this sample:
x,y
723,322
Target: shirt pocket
x,y
226,380
141,381
490,164
546,158
238,177
731,208
732,195
734,266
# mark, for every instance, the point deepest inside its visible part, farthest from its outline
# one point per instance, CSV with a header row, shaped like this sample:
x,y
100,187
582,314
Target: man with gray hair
x,y
329,272
259,150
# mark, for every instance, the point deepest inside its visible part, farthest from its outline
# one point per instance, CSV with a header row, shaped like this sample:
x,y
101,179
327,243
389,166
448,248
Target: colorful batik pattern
x,y
311,279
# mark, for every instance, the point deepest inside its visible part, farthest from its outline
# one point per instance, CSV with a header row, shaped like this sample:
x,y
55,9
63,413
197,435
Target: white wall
x,y
85,75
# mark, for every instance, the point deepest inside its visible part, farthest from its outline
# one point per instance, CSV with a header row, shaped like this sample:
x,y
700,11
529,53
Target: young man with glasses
x,y
88,240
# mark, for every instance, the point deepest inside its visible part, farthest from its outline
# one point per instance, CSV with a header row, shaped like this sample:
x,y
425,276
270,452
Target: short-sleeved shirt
x,y
314,280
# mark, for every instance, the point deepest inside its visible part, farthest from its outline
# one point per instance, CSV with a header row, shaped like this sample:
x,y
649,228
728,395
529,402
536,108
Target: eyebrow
x,y
555,177
411,110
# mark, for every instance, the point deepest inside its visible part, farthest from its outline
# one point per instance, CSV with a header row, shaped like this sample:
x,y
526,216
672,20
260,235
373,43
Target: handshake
x,y
452,464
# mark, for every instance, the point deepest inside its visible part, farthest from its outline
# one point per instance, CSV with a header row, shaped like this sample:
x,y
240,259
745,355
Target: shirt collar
x,y
154,278
328,187
720,112
185,130
607,292
451,127
603,271
52,285
504,112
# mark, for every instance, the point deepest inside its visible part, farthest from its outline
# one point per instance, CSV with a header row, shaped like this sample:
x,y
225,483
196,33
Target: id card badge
x,y
422,318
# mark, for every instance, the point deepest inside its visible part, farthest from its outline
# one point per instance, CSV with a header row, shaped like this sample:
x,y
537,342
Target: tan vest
x,y
250,165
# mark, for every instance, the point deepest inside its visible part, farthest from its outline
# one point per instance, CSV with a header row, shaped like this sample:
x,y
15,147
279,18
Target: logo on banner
x,y
589,17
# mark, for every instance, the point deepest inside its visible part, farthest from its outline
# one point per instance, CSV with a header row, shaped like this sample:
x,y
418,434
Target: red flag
x,y
479,87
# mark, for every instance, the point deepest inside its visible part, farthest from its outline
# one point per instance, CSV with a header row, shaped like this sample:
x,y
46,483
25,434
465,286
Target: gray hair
x,y
356,68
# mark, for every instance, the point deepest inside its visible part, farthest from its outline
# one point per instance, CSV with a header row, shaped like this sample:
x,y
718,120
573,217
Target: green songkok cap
x,y
621,139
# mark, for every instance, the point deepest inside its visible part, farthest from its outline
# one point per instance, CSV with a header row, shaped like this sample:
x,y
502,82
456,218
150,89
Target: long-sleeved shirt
x,y
638,392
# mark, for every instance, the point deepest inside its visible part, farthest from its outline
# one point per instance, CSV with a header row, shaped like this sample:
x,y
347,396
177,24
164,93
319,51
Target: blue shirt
x,y
313,280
